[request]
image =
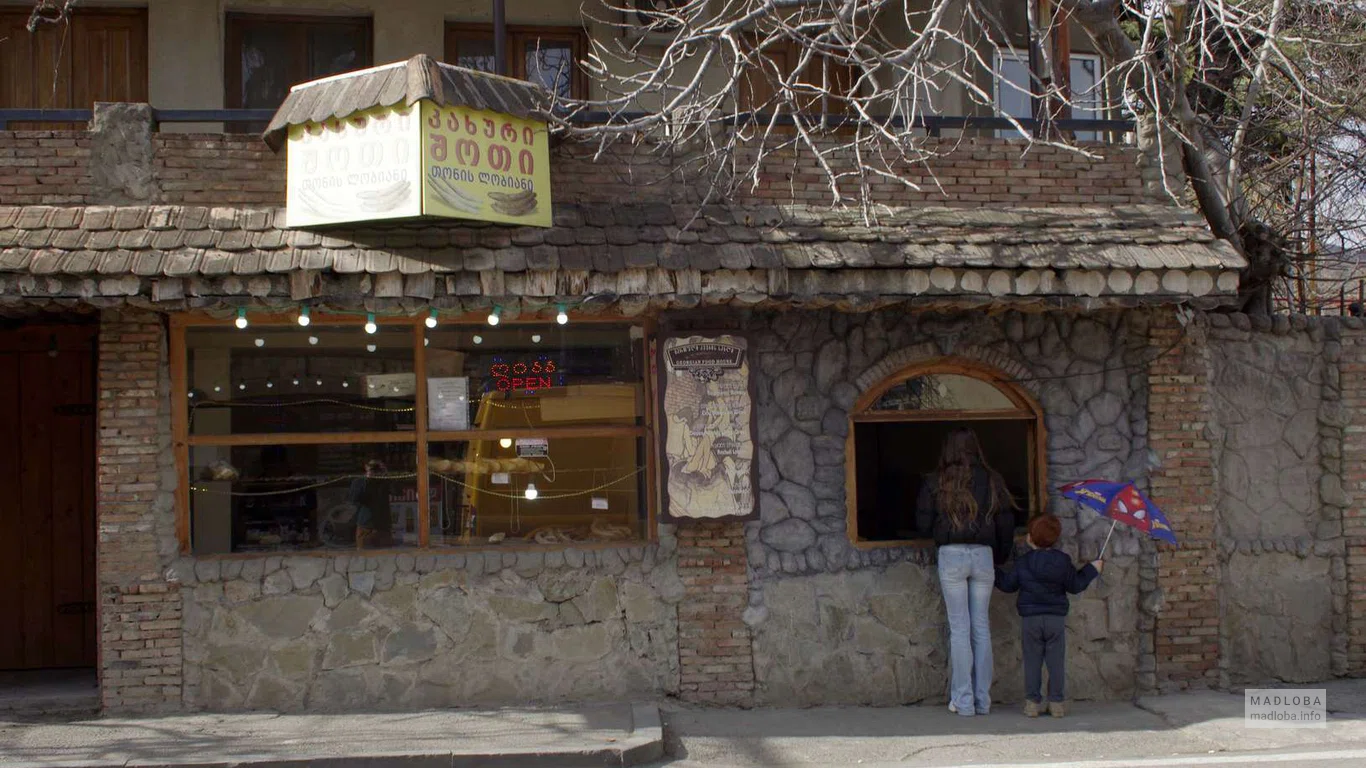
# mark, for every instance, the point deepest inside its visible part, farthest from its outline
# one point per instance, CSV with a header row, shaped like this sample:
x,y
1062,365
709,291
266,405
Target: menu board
x,y
448,407
708,418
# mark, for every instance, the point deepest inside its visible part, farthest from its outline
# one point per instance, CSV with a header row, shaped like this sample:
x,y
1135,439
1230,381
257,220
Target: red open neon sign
x,y
523,376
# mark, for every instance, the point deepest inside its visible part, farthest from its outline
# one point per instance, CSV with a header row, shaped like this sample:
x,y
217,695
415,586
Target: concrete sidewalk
x,y
581,736
1200,728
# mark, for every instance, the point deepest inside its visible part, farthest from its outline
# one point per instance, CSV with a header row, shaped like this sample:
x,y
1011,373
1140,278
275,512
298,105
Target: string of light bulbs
x,y
305,317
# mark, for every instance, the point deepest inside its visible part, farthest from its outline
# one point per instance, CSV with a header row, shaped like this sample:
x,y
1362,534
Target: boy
x,y
1044,577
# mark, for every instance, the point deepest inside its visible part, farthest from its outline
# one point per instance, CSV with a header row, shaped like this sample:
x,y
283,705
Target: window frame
x,y
517,36
235,24
420,437
1101,94
1027,409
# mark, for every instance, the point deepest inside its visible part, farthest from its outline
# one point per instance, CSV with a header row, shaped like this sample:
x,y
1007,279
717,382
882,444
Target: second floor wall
x,y
212,54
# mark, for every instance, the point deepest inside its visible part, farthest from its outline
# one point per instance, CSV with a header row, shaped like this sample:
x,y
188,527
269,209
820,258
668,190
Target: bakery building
x,y
401,434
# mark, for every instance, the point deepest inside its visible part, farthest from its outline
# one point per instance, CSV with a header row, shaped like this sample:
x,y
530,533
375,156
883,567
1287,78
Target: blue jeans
x,y
967,575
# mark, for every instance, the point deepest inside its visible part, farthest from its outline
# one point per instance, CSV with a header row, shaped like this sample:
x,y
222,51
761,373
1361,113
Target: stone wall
x,y
1277,427
837,624
413,631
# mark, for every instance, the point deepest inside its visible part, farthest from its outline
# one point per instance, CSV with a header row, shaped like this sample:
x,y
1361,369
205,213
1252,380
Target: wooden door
x,y
100,55
47,497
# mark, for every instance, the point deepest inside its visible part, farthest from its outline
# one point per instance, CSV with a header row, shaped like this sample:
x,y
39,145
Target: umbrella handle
x,y
1101,556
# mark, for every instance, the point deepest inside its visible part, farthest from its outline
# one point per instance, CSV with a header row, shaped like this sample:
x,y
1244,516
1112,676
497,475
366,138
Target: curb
x,y
645,744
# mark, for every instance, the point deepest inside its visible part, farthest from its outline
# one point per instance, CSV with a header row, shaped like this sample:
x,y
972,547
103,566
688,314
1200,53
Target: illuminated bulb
x,y
431,319
370,347
535,338
370,326
191,395
478,339
562,317
531,493
217,388
241,386
303,316
506,442
260,342
241,321
346,384
493,317
296,382
313,340
426,342
319,382
372,387
270,385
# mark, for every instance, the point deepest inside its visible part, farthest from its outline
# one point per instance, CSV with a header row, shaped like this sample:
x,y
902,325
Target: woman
x,y
370,494
966,507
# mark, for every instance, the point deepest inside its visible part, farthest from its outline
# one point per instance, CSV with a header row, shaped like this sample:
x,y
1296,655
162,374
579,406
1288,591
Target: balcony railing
x,y
933,125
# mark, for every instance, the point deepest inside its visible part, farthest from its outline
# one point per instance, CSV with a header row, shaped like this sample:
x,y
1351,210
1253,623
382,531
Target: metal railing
x,y
933,125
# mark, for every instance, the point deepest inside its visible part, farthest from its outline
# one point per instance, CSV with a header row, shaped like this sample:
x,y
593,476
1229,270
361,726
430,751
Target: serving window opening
x,y
897,432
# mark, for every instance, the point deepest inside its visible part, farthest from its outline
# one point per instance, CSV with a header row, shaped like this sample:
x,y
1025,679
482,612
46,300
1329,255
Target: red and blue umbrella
x,y
1122,503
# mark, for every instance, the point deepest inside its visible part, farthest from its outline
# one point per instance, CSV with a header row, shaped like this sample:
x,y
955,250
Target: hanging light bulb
x,y
370,347
242,386
304,319
431,319
296,382
241,321
494,318
478,339
346,384
535,338
260,342
531,492
370,326
506,442
217,388
561,317
319,382
313,340
270,385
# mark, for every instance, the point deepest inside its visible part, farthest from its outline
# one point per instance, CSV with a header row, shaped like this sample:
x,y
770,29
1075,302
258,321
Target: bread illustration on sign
x,y
509,204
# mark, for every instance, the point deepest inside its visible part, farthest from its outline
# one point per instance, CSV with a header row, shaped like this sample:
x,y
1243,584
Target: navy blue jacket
x,y
1044,578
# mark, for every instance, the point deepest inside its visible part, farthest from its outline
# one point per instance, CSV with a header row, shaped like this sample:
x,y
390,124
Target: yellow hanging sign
x,y
485,165
402,162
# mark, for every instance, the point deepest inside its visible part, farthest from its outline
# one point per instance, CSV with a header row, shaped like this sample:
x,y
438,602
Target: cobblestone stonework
x,y
427,630
837,624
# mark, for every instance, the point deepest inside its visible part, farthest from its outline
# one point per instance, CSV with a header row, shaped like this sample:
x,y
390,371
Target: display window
x,y
898,427
375,434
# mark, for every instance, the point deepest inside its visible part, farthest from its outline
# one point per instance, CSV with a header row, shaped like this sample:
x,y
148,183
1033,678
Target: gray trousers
x,y
1044,640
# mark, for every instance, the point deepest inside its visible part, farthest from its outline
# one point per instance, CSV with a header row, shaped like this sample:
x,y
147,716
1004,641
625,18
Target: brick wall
x,y
47,167
714,645
1186,636
140,611
1353,382
218,169
44,167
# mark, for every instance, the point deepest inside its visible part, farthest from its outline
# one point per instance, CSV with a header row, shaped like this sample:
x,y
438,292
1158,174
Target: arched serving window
x,y
898,426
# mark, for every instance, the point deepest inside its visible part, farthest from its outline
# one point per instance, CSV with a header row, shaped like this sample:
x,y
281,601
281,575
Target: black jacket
x,y
1044,578
998,532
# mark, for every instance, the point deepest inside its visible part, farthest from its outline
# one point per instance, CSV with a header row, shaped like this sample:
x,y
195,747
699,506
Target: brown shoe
x,y
1031,709
1056,709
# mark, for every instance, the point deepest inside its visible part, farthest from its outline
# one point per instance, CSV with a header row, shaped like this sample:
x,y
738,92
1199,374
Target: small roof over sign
x,y
406,82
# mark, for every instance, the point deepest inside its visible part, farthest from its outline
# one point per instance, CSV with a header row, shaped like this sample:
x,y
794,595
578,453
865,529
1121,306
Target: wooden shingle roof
x,y
407,83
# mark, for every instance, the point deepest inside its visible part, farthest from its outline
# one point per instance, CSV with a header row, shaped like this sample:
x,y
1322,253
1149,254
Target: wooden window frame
x,y
517,37
235,23
420,437
1027,409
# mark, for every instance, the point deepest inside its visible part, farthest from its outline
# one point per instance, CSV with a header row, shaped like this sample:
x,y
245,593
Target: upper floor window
x,y
267,54
1014,89
547,56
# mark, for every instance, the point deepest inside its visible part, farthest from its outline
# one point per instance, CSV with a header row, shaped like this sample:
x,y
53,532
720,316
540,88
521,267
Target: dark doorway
x,y
894,457
47,497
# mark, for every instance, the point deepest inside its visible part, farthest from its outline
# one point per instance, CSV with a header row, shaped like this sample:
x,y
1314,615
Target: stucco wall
x,y
834,623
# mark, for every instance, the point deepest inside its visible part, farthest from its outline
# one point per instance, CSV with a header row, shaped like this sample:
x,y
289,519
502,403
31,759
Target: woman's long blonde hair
x,y
961,453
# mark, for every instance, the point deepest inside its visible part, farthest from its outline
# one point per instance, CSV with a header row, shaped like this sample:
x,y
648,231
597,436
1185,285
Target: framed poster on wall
x,y
707,423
